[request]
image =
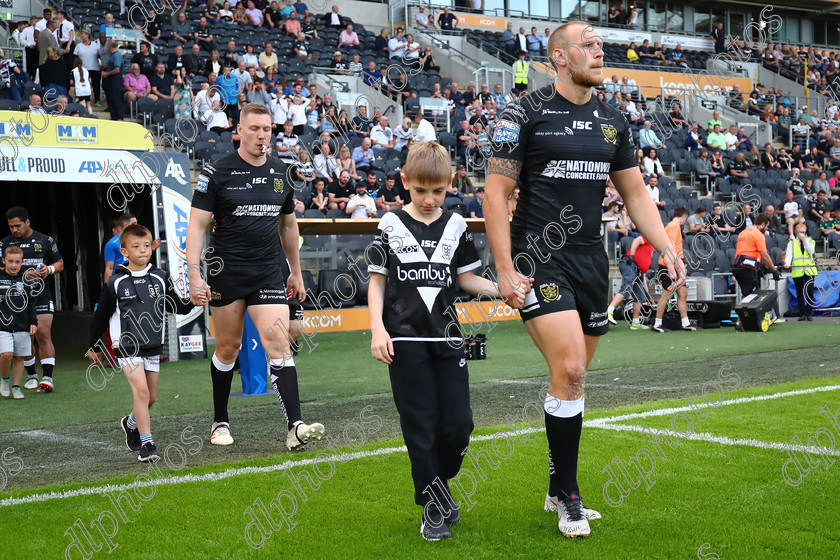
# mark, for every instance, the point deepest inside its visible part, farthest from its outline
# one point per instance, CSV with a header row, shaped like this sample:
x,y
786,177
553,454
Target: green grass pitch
x,y
719,490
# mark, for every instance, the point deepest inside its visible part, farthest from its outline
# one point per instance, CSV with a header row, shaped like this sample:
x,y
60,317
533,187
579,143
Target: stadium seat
x,y
9,105
336,214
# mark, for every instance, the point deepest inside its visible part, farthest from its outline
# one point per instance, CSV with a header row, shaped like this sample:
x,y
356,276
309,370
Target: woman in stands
x,y
652,165
54,74
632,55
344,126
304,170
183,97
239,16
753,158
346,163
329,122
718,165
318,198
226,14
214,65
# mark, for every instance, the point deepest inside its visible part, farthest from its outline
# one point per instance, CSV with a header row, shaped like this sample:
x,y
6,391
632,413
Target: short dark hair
x,y
134,230
18,212
680,211
761,219
700,210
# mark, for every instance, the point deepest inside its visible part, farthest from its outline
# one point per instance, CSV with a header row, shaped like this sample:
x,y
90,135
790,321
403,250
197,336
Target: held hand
x,y
94,357
511,284
295,287
32,330
199,289
381,346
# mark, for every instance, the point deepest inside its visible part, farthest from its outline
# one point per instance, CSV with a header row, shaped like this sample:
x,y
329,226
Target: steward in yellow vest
x,y
799,257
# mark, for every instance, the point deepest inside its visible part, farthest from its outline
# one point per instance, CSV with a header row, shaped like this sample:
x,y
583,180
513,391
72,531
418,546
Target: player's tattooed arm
x,y
509,168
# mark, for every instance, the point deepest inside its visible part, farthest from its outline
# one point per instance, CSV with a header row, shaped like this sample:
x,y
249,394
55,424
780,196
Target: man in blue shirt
x,y
114,82
228,87
476,209
113,256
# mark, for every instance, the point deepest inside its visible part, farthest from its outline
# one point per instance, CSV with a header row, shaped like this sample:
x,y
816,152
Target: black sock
x,y
563,440
221,391
30,371
48,369
284,380
552,474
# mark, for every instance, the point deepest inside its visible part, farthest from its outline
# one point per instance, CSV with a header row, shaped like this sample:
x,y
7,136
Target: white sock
x,y
686,322
657,323
636,321
610,309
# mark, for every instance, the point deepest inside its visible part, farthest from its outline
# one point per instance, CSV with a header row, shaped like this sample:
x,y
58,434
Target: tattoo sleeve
x,y
509,168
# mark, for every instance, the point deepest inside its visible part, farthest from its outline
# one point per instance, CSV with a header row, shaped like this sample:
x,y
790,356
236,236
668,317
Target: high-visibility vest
x,y
520,72
802,263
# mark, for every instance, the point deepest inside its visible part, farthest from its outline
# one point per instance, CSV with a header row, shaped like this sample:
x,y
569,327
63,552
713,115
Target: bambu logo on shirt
x,y
610,132
550,292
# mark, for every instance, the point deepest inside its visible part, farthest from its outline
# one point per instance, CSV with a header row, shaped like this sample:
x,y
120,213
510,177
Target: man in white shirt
x,y
27,38
381,135
42,23
731,139
424,23
204,101
397,45
216,118
66,36
653,191
412,49
361,205
425,131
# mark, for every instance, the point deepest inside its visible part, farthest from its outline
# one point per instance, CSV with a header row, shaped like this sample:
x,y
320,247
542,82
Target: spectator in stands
x,y
334,19
347,163
462,183
652,165
318,198
301,48
380,44
382,136
46,39
228,85
211,11
774,225
425,131
821,184
259,95
653,190
768,160
793,212
676,117
136,85
216,120
696,223
162,84
204,36
476,206
292,26
109,24
307,27
498,97
182,99
812,159
272,16
146,60
250,57
753,158
509,39
447,21
239,15
204,99
785,124
796,157
677,57
53,73
647,55
534,43
361,205
340,191
181,31
243,77
268,59
226,14
715,139
195,64
736,170
694,139
413,50
231,57
428,62
616,227
632,53
611,194
363,156
616,100
817,204
403,135
649,139
718,164
339,65
325,163
113,82
28,38
329,121
424,22
731,138
704,171
719,226
253,16
397,45
388,199
718,37
8,78
214,64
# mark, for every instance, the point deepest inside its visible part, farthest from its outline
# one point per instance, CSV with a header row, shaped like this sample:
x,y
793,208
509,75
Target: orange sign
x,y
486,22
676,84
358,318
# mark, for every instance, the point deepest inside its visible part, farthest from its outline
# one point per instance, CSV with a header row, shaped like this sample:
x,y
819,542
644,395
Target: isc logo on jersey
x,y
506,132
582,125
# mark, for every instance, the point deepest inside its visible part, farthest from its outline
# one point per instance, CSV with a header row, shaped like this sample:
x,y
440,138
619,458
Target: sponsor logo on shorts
x,y
597,315
215,296
550,292
201,185
610,133
506,132
596,324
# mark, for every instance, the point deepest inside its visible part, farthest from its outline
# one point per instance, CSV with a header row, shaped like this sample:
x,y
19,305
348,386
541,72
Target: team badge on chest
x,y
610,133
278,185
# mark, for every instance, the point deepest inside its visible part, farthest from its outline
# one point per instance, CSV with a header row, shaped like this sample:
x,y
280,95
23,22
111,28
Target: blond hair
x,y
428,164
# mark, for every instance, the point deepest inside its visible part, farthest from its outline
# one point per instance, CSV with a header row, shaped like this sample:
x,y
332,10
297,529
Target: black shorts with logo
x,y
43,302
571,278
256,284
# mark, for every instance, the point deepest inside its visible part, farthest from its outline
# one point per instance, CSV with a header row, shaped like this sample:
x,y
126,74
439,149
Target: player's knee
x,y
6,356
142,395
226,352
42,335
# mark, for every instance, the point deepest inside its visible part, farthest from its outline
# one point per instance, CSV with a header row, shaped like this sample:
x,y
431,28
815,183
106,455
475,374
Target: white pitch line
x,y
58,438
719,439
666,411
605,423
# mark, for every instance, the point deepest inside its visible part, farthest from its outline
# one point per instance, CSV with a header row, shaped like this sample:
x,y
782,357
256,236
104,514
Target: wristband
x,y
51,268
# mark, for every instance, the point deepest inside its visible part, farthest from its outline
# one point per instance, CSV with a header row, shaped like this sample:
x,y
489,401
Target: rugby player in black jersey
x,y
41,260
246,193
560,144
